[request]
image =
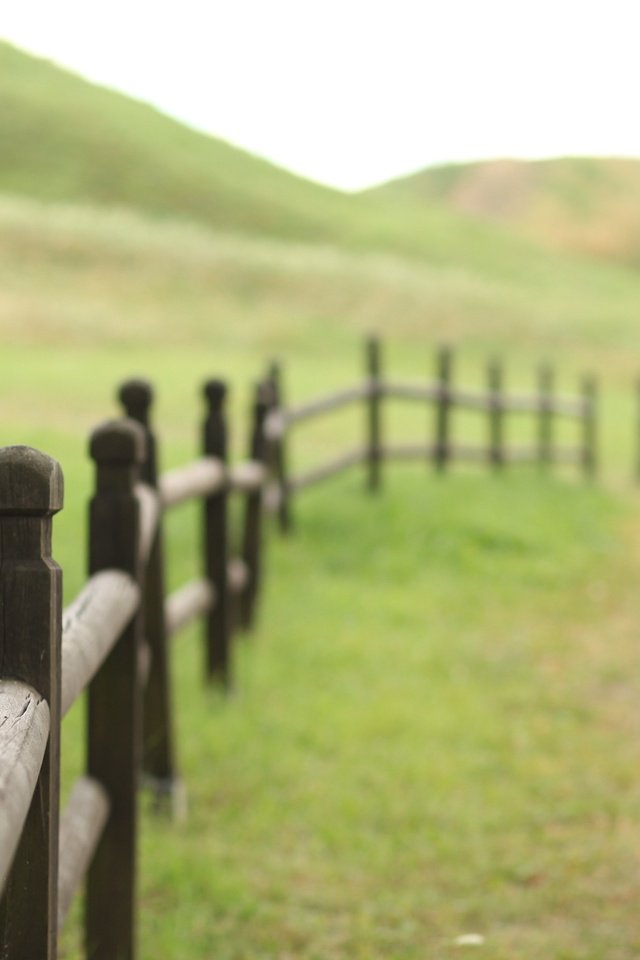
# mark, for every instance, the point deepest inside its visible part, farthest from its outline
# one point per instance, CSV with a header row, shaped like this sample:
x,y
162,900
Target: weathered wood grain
x,y
81,826
91,624
31,491
24,733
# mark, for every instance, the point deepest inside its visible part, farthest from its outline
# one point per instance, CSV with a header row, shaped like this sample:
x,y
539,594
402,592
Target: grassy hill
x,y
580,204
65,139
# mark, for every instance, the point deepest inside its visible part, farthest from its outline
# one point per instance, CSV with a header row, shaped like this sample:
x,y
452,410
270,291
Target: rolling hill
x,y
583,205
109,209
65,139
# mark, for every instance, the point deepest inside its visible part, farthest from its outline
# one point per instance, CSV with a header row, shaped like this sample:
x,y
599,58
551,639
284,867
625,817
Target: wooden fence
x,y
443,397
111,641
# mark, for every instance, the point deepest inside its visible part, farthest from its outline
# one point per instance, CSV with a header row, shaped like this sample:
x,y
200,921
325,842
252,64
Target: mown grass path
x,y
434,733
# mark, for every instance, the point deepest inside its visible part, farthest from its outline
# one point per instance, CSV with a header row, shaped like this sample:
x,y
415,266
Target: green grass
x,y
431,735
433,728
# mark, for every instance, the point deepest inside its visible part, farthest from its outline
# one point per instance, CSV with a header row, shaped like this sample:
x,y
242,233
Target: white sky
x,y
355,92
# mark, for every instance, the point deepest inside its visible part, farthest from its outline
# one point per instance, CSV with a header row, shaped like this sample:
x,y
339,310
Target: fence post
x,y
374,446
589,434
158,759
252,538
115,697
444,369
496,414
217,626
31,491
278,454
546,380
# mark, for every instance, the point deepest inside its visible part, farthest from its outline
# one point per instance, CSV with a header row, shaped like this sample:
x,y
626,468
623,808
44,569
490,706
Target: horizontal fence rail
x,y
24,734
91,625
444,397
111,642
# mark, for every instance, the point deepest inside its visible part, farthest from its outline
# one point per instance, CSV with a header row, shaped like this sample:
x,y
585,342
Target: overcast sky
x,y
352,92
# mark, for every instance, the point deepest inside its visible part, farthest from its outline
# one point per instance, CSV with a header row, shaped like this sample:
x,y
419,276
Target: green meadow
x,y
433,729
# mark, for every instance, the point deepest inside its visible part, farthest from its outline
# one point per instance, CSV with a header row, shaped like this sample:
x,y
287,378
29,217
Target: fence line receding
x,y
443,397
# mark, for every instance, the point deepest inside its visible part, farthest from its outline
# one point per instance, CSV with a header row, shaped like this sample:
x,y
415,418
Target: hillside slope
x,y
65,139
583,205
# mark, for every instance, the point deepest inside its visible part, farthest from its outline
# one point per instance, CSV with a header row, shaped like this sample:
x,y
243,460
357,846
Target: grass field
x,y
433,734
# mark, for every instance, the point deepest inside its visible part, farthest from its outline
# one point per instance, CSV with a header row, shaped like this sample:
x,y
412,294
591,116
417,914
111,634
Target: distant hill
x,y
64,139
584,205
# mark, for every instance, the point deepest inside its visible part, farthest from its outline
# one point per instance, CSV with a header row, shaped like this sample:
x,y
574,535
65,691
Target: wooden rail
x,y
91,625
444,397
24,733
112,643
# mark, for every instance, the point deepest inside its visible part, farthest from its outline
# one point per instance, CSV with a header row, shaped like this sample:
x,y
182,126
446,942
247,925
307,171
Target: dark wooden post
x,y
115,697
31,492
496,414
374,402
216,553
158,761
546,381
444,369
252,539
589,428
279,460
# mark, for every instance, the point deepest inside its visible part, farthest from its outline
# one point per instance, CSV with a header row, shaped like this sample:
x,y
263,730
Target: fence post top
x,y
31,482
120,441
215,391
136,394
